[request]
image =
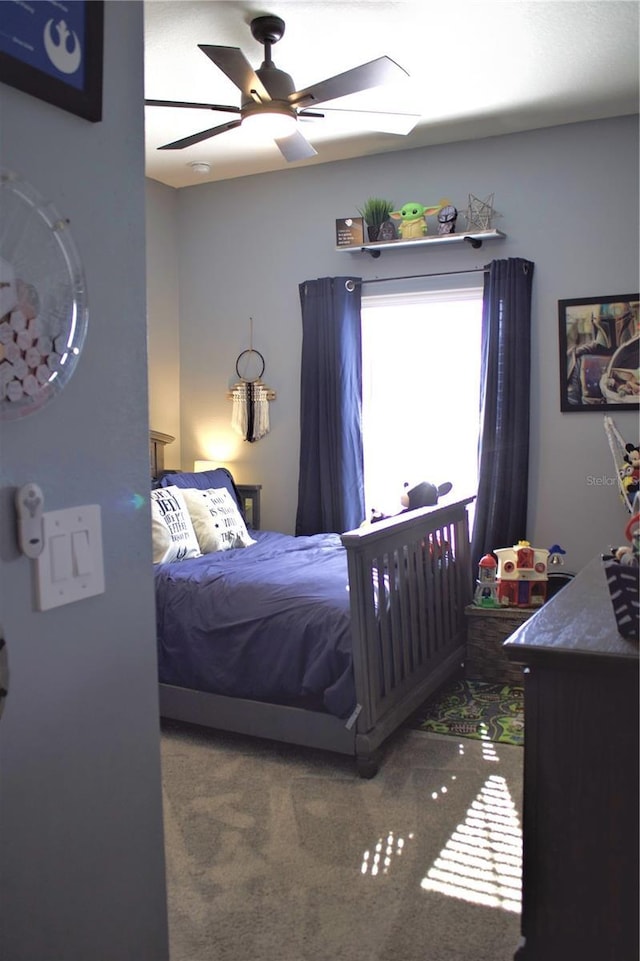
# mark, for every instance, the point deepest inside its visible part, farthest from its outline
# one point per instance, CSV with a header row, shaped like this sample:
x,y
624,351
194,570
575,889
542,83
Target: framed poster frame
x,y
18,70
599,339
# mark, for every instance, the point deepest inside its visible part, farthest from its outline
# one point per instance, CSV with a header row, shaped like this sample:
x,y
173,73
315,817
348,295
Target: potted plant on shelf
x,y
375,213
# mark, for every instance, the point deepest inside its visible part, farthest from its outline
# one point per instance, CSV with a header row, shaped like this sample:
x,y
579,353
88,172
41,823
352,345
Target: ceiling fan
x,y
269,96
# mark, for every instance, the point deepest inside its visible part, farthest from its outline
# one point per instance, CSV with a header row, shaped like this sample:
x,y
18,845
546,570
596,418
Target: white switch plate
x,y
71,565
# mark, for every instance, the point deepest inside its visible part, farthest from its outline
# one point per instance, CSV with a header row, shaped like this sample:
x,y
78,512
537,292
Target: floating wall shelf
x,y
475,239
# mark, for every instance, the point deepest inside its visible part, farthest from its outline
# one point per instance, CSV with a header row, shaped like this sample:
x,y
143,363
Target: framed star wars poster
x,y
53,51
600,353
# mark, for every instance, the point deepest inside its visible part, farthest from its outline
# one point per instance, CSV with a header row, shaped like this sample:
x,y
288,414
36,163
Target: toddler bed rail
x,y
409,582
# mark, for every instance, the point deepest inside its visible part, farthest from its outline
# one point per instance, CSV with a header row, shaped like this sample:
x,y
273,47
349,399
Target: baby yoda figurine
x,y
413,218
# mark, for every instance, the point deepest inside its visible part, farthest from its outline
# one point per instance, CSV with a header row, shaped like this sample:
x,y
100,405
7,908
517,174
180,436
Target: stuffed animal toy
x,y
424,494
632,457
629,472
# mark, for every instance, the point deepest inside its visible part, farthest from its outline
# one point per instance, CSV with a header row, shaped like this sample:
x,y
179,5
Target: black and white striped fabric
x,y
623,582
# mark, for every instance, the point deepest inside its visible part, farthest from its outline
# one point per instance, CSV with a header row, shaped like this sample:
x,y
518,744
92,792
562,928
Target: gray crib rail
x,y
410,580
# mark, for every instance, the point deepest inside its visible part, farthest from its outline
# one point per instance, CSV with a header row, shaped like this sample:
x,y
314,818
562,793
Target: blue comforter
x,y
268,622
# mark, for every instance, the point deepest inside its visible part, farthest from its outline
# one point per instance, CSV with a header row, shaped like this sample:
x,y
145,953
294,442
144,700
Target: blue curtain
x,y
331,478
503,468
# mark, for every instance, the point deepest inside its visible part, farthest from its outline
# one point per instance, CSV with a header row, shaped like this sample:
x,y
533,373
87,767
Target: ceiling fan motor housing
x,y
268,30
278,84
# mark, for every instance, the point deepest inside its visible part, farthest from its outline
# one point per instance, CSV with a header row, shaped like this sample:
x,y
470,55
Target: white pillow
x,y
216,519
174,538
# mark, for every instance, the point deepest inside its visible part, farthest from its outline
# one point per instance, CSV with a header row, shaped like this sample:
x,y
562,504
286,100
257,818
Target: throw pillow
x,y
216,519
173,536
203,480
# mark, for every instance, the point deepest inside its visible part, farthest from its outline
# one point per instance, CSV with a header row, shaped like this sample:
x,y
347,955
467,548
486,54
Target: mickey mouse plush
x,y
422,495
632,457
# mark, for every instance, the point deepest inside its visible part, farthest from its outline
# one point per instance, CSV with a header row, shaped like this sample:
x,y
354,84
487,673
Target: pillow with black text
x,y
174,538
216,520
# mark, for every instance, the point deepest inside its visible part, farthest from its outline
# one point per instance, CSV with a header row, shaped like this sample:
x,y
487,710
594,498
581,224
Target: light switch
x,y
81,551
60,552
71,566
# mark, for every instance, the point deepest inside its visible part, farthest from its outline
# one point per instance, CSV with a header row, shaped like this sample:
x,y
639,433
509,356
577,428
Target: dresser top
x,y
578,620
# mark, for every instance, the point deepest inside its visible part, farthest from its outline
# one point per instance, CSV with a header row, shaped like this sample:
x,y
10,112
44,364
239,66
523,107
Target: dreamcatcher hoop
x,y
252,361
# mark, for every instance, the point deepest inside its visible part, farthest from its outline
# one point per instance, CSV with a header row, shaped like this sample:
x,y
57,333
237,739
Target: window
x,y
421,382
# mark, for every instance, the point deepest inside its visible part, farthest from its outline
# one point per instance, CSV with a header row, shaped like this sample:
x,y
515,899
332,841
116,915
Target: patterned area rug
x,y
467,708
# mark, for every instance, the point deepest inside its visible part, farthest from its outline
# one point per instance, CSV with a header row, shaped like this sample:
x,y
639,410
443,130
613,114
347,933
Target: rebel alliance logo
x,y
64,56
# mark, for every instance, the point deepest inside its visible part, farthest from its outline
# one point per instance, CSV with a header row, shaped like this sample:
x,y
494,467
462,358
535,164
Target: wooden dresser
x,y
580,824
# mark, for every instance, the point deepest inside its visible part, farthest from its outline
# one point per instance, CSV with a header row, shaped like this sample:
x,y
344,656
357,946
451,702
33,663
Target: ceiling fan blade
x,y
295,147
199,137
197,106
381,121
367,75
237,68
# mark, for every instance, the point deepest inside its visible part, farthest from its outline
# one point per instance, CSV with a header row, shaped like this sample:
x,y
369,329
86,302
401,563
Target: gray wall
x,y
162,306
568,200
82,863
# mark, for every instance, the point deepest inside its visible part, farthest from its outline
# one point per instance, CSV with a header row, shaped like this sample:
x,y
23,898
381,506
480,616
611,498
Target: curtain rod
x,y
351,284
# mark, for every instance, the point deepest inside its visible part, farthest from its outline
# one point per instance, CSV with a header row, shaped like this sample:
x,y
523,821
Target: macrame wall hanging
x,y
250,395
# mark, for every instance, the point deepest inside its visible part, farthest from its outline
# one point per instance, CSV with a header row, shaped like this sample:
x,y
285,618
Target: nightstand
x,y
250,499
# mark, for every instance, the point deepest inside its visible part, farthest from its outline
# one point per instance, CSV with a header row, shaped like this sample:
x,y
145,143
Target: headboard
x,y
157,444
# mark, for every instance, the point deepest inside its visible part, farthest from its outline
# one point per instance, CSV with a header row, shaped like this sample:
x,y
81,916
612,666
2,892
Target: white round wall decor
x,y
43,301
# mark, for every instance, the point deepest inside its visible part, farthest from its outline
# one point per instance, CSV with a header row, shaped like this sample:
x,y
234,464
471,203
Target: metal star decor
x,y
479,213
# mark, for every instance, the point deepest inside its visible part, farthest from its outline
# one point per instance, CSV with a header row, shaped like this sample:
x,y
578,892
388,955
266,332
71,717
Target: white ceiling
x,y
476,69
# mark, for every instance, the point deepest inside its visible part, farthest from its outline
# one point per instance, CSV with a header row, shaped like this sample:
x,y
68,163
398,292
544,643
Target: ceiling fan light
x,y
270,124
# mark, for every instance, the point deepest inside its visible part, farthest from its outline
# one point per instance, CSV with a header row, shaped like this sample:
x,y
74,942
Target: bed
x,y
330,641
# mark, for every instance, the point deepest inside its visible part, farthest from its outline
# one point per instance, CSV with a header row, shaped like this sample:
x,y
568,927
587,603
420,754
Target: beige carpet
x,y
276,853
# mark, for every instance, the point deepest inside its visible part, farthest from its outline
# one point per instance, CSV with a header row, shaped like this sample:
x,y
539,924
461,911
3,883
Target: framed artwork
x,y
53,51
599,353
